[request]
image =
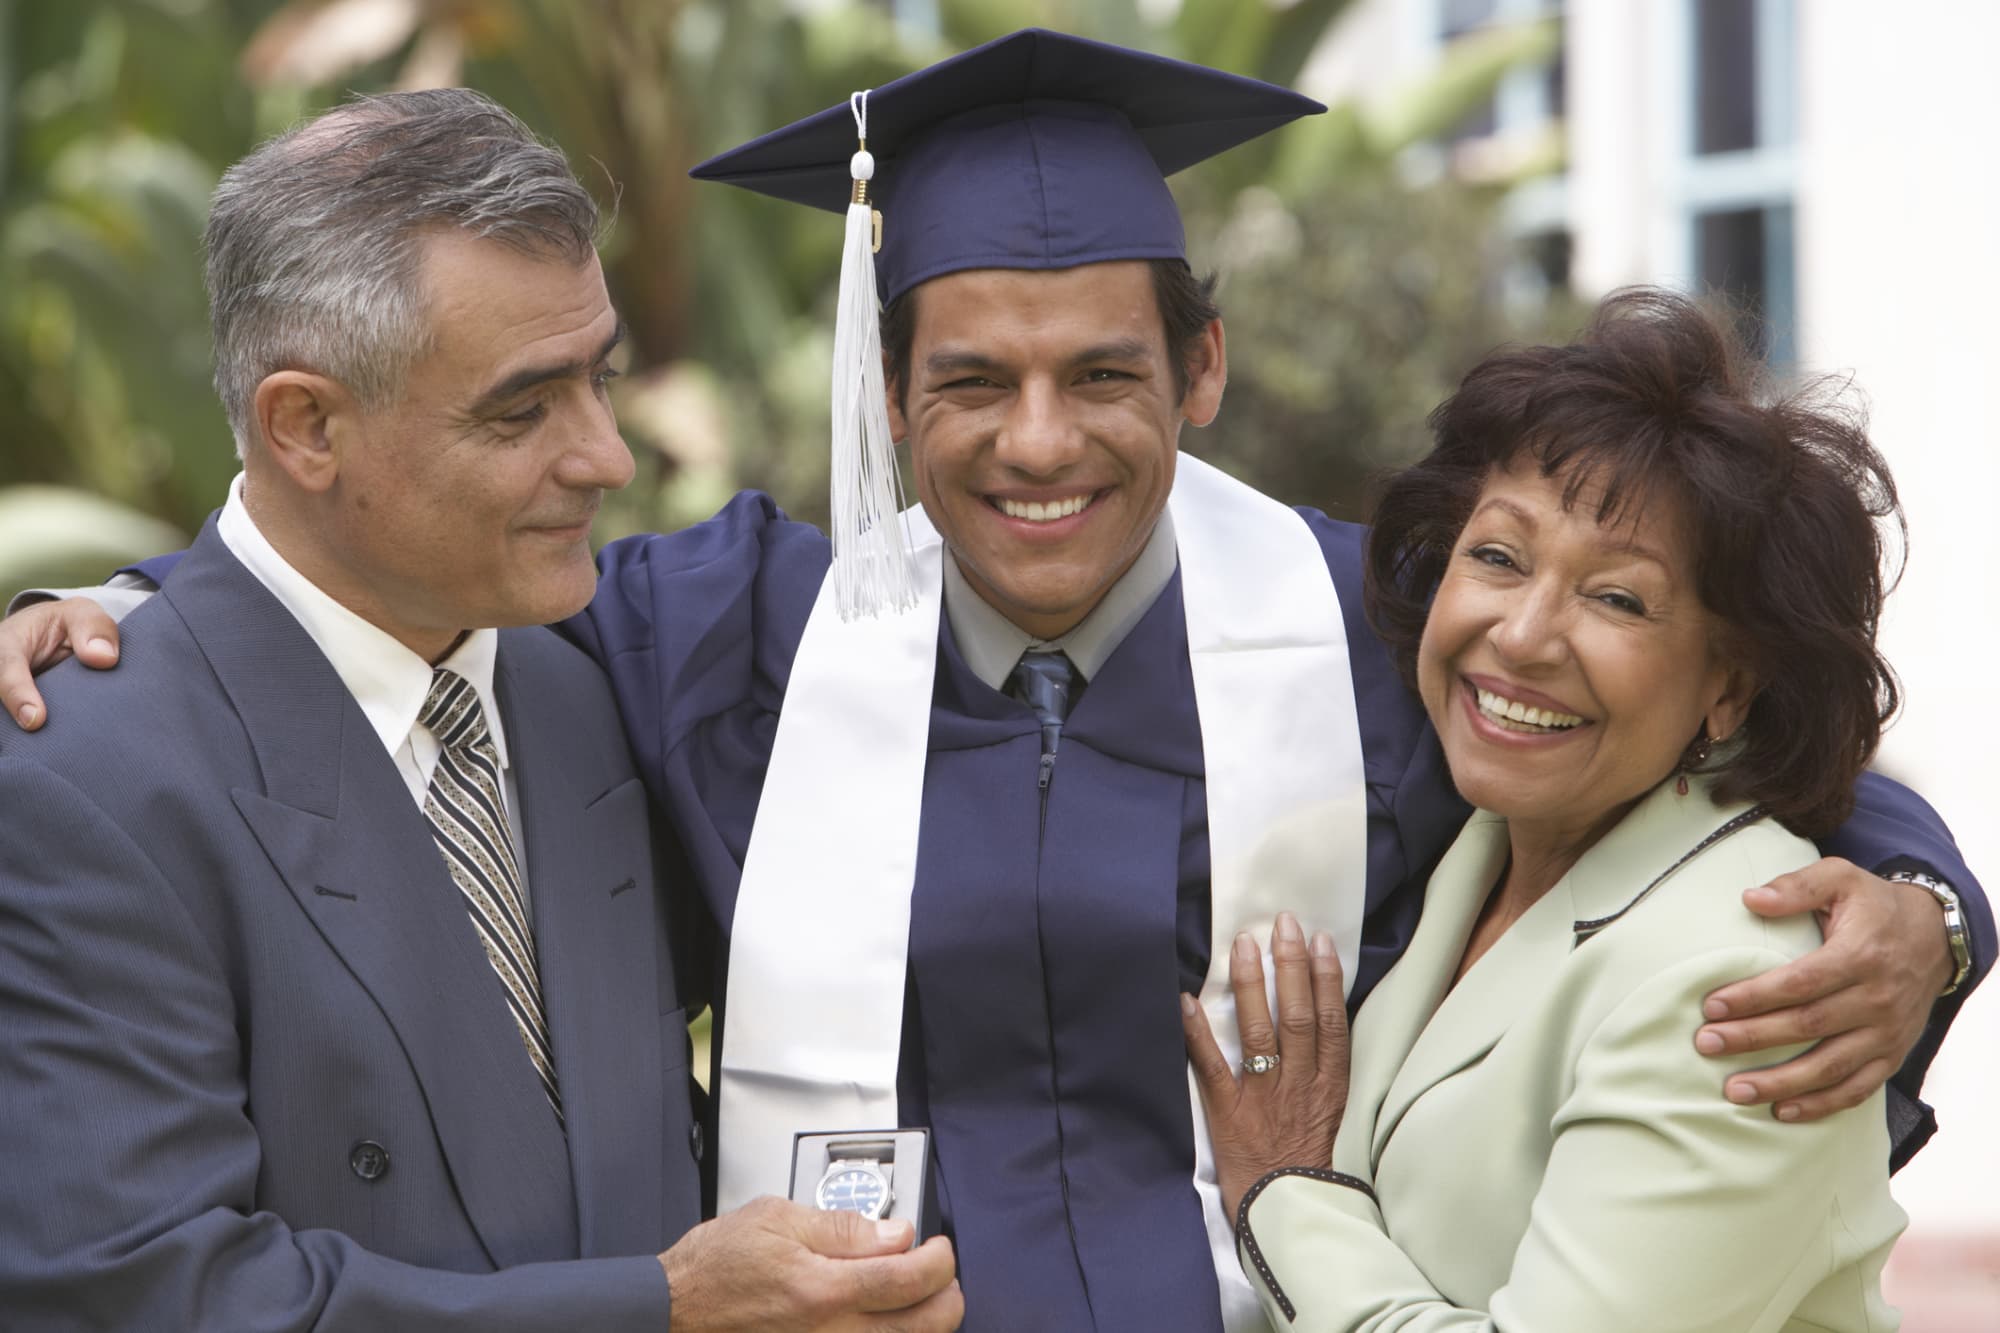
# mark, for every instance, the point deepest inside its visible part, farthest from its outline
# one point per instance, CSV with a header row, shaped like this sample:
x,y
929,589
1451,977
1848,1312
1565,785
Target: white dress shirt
x,y
387,680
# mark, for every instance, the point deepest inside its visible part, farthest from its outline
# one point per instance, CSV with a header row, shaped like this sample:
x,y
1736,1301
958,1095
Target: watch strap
x,y
1956,938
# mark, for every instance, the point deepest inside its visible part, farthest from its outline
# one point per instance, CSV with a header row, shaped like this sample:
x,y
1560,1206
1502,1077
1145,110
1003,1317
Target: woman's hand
x,y
1287,1115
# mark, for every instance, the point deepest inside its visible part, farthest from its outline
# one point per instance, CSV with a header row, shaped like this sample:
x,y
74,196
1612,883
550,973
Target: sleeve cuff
x,y
1246,1236
118,599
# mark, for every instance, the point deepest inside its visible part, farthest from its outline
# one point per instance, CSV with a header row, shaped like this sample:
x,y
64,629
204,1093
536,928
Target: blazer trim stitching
x,y
1248,1238
1586,929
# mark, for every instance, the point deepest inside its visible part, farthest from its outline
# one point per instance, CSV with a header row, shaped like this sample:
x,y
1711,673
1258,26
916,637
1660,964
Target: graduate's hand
x,y
37,637
779,1267
1289,1115
1864,996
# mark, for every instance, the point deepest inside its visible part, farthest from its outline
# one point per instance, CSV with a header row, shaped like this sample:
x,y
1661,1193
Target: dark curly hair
x,y
1658,400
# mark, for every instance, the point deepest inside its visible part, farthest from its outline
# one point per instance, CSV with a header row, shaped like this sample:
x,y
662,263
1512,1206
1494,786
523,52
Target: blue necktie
x,y
1043,682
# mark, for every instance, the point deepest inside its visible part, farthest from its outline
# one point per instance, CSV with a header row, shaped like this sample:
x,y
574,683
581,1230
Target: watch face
x,y
853,1189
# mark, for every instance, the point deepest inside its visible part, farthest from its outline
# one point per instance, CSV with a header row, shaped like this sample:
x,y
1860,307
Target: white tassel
x,y
872,567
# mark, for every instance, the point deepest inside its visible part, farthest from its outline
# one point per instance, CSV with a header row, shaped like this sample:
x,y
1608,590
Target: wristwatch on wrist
x,y
1955,937
857,1180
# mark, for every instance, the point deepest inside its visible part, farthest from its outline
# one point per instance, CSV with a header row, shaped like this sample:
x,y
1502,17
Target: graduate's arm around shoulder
x,y
675,614
688,623
1881,995
45,627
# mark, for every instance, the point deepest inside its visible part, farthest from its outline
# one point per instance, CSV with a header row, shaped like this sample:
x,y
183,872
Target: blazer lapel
x,y
1404,1002
340,828
1429,1032
1476,1013
598,937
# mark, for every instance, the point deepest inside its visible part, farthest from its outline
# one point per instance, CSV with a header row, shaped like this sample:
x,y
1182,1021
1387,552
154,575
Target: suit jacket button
x,y
369,1160
694,1140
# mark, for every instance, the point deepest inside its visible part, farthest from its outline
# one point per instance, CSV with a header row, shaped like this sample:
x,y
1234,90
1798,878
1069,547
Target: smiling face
x,y
1042,417
468,501
1568,663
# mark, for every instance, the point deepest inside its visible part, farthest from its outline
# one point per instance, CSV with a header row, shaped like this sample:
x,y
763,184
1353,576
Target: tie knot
x,y
1044,681
452,713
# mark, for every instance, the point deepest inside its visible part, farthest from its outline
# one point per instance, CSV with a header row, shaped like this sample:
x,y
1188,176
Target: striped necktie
x,y
469,821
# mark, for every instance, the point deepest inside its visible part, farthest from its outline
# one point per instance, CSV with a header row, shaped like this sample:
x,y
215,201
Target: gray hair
x,y
314,240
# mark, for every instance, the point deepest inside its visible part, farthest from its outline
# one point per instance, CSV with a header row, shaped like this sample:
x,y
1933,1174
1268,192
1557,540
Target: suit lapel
x,y
1476,1013
597,934
351,846
1406,1000
1427,1033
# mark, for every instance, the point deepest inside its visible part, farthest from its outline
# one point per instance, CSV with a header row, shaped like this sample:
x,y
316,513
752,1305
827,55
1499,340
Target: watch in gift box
x,y
856,1184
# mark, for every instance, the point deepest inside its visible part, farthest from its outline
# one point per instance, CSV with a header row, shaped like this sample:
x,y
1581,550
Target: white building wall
x,y
1614,143
1899,279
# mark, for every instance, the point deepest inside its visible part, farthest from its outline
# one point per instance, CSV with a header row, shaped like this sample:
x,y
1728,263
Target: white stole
x,y
820,939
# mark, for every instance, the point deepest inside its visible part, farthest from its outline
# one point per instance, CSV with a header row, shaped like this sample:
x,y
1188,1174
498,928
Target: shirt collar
x,y
992,644
388,680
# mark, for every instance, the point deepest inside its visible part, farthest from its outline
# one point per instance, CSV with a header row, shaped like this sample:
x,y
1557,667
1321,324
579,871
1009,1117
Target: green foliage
x,y
54,537
1355,300
1349,318
118,120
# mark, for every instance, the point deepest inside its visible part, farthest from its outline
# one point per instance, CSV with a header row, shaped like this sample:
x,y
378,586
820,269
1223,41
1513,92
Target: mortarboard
x,y
1037,151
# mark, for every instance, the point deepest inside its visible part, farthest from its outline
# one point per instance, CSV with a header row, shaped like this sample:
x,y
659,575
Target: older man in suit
x,y
336,987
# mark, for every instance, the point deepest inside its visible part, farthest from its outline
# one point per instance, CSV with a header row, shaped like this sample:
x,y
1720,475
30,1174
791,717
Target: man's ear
x,y
899,428
1208,373
298,415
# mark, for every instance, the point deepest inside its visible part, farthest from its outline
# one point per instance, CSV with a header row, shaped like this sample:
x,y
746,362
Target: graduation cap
x,y
1035,151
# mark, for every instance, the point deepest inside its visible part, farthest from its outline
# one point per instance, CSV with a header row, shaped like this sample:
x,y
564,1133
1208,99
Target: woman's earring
x,y
1695,756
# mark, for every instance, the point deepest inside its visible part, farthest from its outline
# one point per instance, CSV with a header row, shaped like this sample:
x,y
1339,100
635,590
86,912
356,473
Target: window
x,y
1734,176
1456,19
1725,72
1746,254
1519,119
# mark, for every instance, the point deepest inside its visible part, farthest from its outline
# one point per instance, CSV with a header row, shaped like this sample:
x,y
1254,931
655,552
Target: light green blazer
x,y
1541,1149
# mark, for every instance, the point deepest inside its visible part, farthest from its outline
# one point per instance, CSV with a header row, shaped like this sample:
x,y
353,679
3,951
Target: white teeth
x,y
1517,716
1037,512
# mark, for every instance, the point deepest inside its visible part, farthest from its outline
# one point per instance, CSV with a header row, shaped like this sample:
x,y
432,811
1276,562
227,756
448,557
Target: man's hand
x,y
37,637
778,1267
1289,1114
1864,996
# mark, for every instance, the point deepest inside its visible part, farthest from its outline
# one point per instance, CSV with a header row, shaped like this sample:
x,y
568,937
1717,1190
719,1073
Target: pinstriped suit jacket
x,y
233,967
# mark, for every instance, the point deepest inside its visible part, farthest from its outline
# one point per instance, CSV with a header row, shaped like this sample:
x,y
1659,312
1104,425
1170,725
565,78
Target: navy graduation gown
x,y
1042,1038
1045,949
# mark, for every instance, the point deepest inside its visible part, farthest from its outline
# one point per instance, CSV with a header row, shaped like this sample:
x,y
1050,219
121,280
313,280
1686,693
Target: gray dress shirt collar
x,y
991,644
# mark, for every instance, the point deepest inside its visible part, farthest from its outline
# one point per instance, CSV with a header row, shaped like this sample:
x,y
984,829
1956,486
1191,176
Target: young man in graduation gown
x,y
1133,708
964,854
